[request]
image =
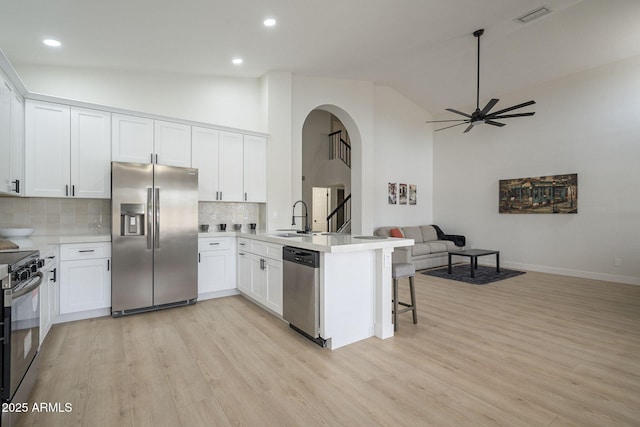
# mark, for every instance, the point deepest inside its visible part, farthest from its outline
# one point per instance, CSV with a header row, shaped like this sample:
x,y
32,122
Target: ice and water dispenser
x,y
132,219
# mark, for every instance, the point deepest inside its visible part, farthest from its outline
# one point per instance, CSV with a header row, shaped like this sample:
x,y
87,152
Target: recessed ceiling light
x,y
51,42
237,61
269,22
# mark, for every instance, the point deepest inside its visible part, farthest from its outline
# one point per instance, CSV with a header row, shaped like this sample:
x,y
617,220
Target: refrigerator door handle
x,y
156,234
149,216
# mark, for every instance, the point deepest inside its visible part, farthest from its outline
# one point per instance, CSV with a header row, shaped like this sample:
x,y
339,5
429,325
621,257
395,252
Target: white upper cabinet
x,y
47,149
16,182
141,140
230,166
11,140
218,157
67,151
131,139
233,166
204,147
172,143
90,153
255,168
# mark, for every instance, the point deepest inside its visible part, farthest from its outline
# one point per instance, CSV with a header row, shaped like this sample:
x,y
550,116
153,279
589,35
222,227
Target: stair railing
x,y
340,216
340,149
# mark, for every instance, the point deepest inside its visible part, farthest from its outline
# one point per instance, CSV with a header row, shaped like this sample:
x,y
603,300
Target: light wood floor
x,y
535,350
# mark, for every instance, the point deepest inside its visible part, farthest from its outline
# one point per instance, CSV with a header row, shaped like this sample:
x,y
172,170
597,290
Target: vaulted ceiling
x,y
423,48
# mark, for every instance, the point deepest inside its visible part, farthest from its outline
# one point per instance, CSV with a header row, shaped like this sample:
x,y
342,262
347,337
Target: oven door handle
x,y
29,287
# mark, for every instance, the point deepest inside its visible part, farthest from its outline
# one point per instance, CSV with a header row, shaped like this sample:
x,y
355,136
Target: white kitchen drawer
x,y
269,250
79,251
243,244
215,243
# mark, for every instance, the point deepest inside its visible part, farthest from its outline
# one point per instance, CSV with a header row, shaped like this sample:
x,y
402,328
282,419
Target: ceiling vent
x,y
533,15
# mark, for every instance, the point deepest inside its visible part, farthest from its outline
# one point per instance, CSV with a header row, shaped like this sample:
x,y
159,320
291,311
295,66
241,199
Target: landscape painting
x,y
541,195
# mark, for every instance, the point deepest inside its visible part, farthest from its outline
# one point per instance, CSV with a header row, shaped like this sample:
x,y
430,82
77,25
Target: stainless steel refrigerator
x,y
154,236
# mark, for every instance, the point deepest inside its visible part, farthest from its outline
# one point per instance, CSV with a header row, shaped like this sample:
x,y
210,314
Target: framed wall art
x,y
402,194
392,193
553,194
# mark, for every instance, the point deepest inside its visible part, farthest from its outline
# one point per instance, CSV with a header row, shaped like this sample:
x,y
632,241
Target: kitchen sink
x,y
289,235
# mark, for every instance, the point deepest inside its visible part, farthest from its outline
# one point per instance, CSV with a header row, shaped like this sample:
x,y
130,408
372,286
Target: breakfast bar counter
x,y
355,282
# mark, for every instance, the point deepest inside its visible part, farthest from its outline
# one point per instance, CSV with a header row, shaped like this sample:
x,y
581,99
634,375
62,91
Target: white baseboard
x,y
628,280
82,315
218,294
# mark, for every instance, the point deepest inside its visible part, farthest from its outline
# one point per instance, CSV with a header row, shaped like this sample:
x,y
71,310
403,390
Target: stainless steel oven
x,y
20,326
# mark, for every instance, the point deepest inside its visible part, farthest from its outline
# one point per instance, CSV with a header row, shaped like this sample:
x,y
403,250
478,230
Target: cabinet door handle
x,y
108,265
245,196
241,253
198,256
55,275
156,159
66,190
151,161
17,184
73,190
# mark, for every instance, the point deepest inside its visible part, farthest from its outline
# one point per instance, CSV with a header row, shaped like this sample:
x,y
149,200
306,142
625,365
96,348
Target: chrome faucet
x,y
307,229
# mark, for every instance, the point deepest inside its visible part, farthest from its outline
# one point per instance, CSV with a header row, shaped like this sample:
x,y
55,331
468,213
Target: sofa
x,y
431,246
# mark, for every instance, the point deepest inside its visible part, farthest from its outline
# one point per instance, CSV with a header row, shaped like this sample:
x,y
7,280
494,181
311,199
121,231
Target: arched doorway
x,y
327,164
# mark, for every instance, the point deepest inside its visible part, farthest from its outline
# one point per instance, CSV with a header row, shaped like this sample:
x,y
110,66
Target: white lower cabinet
x,y
260,272
85,277
49,290
216,265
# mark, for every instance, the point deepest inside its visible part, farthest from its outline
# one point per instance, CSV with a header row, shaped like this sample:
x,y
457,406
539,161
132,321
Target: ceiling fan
x,y
483,116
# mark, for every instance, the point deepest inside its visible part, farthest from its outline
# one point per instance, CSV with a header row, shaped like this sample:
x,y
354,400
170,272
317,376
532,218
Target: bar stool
x,y
398,271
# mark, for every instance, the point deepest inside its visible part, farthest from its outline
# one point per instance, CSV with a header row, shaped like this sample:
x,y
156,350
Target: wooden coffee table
x,y
473,254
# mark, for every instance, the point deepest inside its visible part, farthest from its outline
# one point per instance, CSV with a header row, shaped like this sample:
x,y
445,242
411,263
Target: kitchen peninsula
x,y
355,282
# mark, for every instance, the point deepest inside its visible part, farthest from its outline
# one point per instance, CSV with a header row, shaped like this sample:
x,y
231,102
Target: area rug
x,y
484,274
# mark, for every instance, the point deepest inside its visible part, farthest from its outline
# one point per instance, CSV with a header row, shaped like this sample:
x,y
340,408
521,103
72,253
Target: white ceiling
x,y
423,48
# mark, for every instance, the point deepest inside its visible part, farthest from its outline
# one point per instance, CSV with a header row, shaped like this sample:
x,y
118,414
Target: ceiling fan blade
x,y
491,122
468,129
515,107
508,116
458,112
452,126
489,106
442,121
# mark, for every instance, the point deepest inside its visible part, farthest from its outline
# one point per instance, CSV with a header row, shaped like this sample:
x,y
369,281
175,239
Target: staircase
x,y
340,149
339,220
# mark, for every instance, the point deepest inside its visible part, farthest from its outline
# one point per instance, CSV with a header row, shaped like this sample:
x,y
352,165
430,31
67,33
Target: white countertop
x,y
329,242
34,242
321,242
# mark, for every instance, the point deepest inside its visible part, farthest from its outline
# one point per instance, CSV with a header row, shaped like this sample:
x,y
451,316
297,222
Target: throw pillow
x,y
396,232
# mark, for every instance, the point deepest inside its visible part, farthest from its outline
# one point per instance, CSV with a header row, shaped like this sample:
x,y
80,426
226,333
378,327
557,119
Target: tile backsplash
x,y
214,213
52,217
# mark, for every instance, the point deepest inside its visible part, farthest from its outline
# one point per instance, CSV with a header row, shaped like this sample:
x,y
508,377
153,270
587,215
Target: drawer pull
x,y
87,250
214,243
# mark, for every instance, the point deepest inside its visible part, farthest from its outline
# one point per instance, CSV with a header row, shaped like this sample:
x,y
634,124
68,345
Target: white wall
x,y
586,124
277,104
403,154
223,101
352,102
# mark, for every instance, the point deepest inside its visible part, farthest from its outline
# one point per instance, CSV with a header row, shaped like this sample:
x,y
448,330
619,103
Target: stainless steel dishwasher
x,y
301,292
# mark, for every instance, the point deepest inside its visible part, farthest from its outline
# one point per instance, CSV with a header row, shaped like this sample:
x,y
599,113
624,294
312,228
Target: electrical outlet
x,y
617,262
